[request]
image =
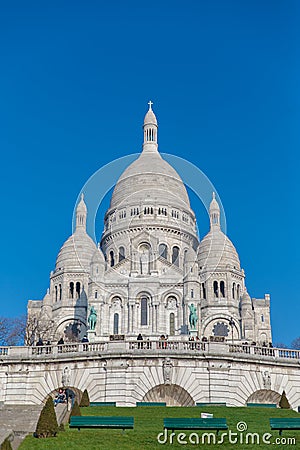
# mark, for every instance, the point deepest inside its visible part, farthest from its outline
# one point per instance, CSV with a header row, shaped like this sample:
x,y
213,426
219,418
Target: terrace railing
x,y
158,346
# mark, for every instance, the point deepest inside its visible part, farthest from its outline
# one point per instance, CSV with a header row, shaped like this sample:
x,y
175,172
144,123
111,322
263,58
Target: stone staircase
x,y
19,420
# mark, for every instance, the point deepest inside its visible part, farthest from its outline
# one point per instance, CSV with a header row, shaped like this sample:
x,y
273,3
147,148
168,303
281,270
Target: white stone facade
x,y
126,372
150,266
147,270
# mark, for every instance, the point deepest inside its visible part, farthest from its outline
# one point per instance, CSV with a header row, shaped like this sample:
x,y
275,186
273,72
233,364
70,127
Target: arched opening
x,y
77,289
144,311
121,254
172,394
222,288
112,258
216,289
233,291
163,251
264,396
65,382
203,290
60,292
55,289
172,324
116,323
144,254
238,289
71,290
175,255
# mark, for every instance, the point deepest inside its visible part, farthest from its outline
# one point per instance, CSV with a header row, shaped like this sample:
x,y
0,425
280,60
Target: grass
x,y
149,422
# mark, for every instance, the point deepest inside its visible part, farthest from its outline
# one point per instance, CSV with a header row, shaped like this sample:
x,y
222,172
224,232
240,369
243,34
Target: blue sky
x,y
75,80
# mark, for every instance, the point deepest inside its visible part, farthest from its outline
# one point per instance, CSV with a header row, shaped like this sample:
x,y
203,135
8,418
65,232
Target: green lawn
x,y
149,422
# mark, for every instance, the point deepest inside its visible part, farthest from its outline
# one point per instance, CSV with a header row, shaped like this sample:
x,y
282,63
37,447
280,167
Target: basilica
x,y
150,268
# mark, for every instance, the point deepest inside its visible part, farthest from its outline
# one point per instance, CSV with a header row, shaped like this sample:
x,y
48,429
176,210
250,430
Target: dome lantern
x,y
81,213
150,131
214,213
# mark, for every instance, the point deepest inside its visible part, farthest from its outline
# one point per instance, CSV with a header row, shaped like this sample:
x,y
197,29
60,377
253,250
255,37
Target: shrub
x,y
284,403
75,410
47,425
61,427
6,445
85,400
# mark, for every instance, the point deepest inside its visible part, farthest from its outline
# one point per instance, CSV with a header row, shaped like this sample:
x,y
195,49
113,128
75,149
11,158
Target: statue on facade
x,y
167,371
92,319
266,379
193,318
66,377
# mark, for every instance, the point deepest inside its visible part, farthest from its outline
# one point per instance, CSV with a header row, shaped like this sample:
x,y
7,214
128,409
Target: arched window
x,y
144,311
71,290
222,289
112,258
216,289
233,291
203,290
116,323
192,293
121,254
60,291
163,251
96,294
238,289
262,318
55,288
172,324
77,289
175,255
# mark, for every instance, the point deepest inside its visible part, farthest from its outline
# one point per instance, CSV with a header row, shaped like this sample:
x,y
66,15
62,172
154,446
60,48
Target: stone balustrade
x,y
264,351
188,347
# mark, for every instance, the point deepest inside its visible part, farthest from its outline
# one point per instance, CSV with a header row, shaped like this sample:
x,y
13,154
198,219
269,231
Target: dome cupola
x,y
78,250
150,177
216,251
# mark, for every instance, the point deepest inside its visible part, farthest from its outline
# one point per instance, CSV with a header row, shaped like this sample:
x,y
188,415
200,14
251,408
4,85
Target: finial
x,y
82,196
214,196
150,105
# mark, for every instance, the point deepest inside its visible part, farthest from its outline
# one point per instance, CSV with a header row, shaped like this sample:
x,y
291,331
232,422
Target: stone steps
x,y
19,420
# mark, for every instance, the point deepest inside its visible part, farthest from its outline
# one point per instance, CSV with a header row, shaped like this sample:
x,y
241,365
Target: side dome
x,y
78,250
76,253
217,251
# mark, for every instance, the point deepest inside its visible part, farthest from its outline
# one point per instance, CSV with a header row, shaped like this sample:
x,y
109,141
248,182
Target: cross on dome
x,y
150,104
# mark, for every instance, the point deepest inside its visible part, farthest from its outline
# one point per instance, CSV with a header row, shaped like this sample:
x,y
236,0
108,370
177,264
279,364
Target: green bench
x,y
151,404
195,424
285,424
262,405
211,404
101,422
103,404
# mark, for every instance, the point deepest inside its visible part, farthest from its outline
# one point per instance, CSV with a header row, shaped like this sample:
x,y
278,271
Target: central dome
x,y
150,177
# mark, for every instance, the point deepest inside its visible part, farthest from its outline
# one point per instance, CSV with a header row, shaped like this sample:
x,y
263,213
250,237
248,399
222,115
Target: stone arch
x,y
264,396
172,394
52,394
76,324
210,322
